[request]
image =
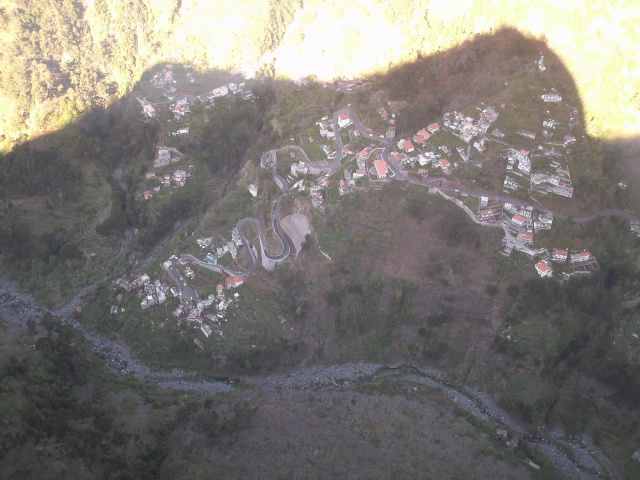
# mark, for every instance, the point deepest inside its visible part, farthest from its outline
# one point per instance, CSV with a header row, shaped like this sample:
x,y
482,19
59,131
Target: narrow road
x,y
268,160
402,175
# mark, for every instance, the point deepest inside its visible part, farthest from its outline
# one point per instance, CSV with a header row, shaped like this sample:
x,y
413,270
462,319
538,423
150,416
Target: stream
x,y
576,458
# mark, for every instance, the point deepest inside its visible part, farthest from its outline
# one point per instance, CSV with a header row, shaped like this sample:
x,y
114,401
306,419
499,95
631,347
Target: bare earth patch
x,y
297,227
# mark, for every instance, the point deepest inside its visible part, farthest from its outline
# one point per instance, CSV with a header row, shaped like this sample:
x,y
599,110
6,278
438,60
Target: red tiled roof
x,y
233,280
543,267
381,168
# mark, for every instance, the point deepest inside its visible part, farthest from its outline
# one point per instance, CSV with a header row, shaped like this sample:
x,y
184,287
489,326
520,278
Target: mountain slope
x,y
61,58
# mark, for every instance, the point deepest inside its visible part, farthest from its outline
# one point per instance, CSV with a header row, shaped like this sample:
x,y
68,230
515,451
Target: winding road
x,y
583,459
268,160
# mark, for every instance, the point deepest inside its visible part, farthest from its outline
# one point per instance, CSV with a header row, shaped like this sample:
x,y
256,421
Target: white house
x,y
543,269
580,257
551,97
344,120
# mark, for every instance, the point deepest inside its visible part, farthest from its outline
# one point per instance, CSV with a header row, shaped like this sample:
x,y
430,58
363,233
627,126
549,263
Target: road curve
x,y
270,260
401,175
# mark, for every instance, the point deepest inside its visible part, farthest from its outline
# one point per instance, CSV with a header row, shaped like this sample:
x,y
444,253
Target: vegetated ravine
x,y
575,458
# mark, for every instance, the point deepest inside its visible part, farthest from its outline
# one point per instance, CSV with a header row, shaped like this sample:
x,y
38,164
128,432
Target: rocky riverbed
x,y
577,458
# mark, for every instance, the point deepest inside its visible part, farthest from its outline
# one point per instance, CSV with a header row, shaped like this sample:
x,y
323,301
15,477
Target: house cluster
x,y
317,191
163,158
223,248
579,263
518,227
224,90
487,213
465,127
520,224
209,313
549,177
177,179
151,293
518,162
421,152
326,128
555,179
180,109
551,97
164,77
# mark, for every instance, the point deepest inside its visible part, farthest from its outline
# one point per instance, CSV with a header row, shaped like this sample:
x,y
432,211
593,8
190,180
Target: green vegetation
x,y
60,390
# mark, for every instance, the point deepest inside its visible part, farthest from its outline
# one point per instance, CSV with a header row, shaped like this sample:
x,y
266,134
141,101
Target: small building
x,y
344,120
518,219
560,255
149,111
234,281
551,97
486,215
525,237
527,134
253,189
381,168
543,269
206,329
433,128
580,257
299,168
408,146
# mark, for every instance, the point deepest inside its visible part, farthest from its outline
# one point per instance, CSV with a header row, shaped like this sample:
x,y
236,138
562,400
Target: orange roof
x,y
444,163
424,133
518,218
543,267
344,116
363,153
408,145
381,168
561,251
525,236
419,139
234,279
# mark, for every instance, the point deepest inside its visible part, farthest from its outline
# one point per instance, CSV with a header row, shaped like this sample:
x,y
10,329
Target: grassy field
x,y
332,237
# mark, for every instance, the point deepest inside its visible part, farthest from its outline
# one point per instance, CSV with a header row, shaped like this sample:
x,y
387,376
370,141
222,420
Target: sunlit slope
x,y
61,58
597,41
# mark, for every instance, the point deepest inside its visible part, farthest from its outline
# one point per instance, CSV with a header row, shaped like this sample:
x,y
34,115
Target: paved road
x,y
187,292
269,260
330,167
403,176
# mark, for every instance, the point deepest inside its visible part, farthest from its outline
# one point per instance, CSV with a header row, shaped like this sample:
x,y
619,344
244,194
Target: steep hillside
x,y
61,58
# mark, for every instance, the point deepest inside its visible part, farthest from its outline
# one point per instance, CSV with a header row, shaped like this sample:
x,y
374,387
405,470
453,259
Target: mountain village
x,y
440,156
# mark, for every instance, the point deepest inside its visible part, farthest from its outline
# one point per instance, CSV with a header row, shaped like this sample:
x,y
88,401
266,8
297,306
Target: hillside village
x,y
445,156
